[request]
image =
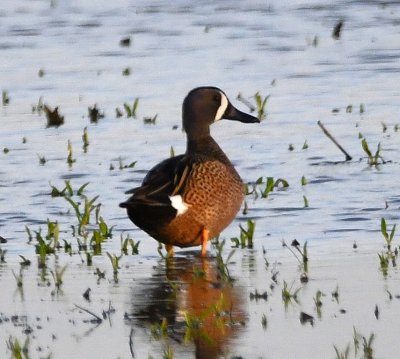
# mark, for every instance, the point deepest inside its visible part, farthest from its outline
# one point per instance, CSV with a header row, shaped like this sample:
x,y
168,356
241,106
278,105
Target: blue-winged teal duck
x,y
186,200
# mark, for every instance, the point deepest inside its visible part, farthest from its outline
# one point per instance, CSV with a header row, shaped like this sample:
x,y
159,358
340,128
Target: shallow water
x,y
240,47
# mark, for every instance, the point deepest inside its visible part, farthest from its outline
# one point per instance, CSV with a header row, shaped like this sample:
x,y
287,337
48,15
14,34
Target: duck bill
x,y
234,114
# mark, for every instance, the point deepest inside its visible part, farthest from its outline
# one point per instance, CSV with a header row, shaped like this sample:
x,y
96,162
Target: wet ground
x,y
253,304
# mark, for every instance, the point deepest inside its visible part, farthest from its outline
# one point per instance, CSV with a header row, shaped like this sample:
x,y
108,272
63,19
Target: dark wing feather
x,y
164,180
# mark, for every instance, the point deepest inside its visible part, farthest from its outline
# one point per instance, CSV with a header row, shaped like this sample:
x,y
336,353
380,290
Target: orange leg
x,y
204,240
170,250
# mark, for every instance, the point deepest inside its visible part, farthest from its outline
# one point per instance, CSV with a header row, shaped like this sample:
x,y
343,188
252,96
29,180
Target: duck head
x,y
206,105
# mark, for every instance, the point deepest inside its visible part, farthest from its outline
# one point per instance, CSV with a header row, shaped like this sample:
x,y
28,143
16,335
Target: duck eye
x,y
217,98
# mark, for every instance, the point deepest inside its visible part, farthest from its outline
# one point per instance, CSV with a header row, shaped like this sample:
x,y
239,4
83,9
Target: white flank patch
x,y
178,204
222,108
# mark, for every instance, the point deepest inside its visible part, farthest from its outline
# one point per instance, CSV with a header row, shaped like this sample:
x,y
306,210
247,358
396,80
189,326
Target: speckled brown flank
x,y
214,197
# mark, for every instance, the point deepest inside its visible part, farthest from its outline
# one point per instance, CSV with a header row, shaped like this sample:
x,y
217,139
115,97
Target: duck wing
x,y
164,180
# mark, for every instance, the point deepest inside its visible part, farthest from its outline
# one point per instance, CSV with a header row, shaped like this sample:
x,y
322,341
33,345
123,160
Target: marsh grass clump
x,y
318,302
57,275
47,244
123,166
159,330
373,159
87,212
388,237
387,256
168,353
114,259
303,259
129,242
17,350
360,342
70,158
99,236
85,139
130,111
222,265
39,107
261,104
289,295
270,185
54,119
368,351
83,211
342,354
245,239
67,190
19,278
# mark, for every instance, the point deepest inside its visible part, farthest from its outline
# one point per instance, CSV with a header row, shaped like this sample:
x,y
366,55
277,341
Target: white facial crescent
x,y
222,108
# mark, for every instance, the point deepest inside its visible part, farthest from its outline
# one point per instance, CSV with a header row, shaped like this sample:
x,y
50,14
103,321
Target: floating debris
x,y
337,30
125,42
306,318
95,114
126,71
5,98
54,119
327,133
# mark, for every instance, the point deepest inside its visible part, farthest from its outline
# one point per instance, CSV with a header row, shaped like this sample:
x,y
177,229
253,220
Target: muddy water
x,y
282,49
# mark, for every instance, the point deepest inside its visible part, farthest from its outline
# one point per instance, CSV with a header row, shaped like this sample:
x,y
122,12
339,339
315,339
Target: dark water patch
x,y
394,199
150,9
331,163
353,219
379,56
220,24
11,216
10,46
325,179
168,33
90,24
74,176
24,32
22,182
110,54
57,23
289,209
373,209
42,88
343,230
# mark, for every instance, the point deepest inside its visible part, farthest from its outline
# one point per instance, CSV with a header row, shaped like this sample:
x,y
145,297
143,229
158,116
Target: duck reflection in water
x,y
190,302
